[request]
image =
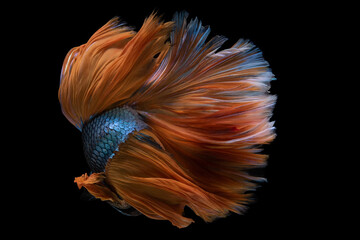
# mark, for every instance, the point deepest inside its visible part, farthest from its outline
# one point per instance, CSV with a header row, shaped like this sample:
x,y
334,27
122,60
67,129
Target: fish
x,y
168,119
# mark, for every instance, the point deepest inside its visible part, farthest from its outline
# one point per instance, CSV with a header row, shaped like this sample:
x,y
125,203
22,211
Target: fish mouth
x,y
128,211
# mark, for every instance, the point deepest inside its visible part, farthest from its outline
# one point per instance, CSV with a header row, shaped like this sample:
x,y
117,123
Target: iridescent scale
x,y
103,134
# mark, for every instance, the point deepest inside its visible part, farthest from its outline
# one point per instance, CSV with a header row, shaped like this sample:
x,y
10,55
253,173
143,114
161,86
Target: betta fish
x,y
168,119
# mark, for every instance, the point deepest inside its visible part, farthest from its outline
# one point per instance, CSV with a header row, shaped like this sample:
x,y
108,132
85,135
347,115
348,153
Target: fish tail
x,y
211,110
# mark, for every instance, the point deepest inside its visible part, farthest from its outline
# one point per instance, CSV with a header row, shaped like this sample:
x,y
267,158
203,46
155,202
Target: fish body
x,y
104,133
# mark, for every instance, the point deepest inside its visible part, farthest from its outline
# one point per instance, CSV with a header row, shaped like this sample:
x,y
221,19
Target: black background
x,y
53,200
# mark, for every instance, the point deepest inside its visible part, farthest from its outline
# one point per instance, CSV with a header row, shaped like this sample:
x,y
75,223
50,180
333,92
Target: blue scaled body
x,y
103,134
